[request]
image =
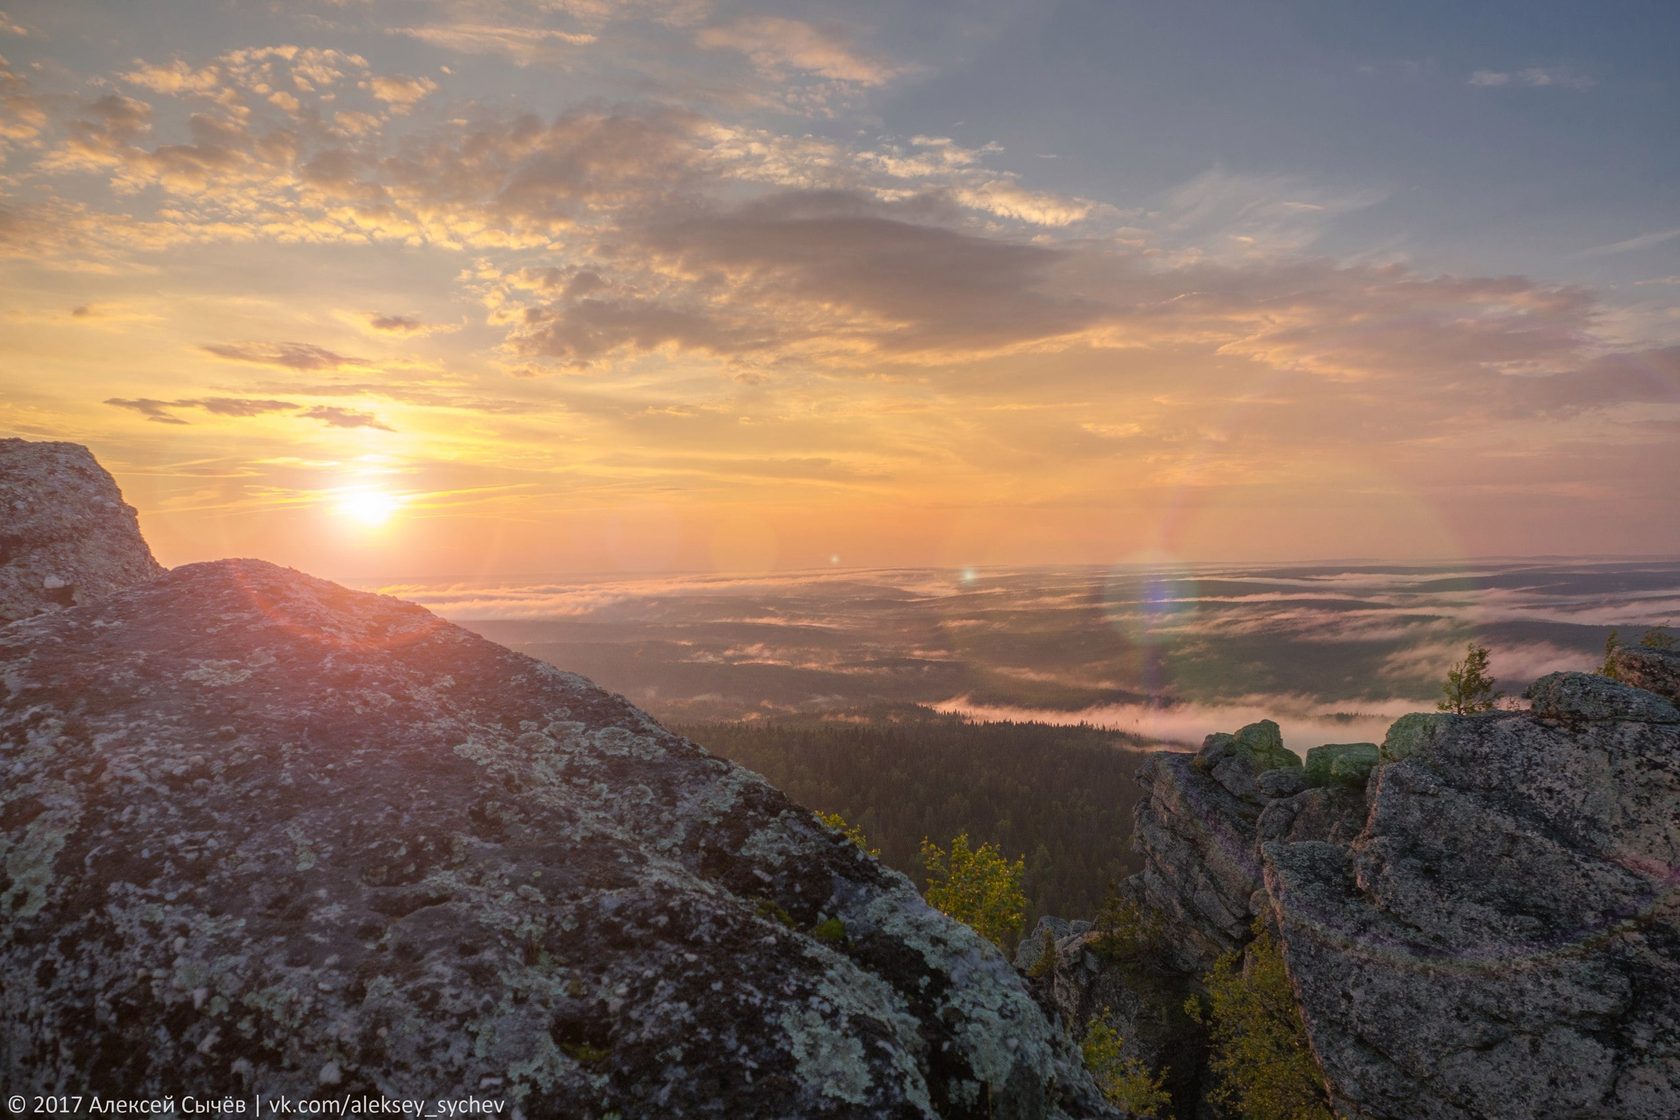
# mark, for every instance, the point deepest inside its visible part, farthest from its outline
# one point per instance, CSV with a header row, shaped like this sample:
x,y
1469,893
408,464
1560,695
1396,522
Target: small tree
x,y
1469,688
977,886
1265,1066
1126,1082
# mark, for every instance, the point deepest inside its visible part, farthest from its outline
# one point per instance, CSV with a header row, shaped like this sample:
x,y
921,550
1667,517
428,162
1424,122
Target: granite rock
x,y
264,835
1502,938
1654,670
66,537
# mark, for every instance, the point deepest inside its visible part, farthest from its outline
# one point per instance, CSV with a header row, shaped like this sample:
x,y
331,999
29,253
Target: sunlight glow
x,y
368,507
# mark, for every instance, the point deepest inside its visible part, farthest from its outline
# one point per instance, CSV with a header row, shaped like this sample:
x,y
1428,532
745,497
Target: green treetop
x,y
977,886
1469,688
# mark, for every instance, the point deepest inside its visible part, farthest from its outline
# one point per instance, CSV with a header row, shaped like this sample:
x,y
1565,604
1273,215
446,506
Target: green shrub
x,y
1129,934
1126,1082
1045,965
850,831
1611,645
977,886
832,931
1265,1068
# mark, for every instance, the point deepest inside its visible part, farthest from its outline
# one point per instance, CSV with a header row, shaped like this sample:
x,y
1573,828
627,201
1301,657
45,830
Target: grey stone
x,y
1335,813
66,537
262,834
1275,784
1341,763
1502,939
1654,670
1200,865
1577,697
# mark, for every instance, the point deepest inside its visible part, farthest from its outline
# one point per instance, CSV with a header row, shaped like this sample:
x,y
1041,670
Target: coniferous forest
x,y
1061,797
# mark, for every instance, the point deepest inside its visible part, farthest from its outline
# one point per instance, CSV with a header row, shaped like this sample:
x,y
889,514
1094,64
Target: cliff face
x,y
262,834
1482,920
65,535
1503,937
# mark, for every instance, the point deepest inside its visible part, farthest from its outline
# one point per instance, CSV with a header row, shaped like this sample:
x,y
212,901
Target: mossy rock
x,y
1262,743
1412,734
1341,764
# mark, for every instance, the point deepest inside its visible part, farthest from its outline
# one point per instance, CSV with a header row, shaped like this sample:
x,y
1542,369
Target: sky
x,y
476,288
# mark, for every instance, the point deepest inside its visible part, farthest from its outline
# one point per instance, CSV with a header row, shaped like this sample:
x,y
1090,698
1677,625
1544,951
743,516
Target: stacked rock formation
x,y
1481,920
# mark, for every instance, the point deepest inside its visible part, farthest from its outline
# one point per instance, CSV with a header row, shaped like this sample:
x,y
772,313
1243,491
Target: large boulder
x,y
1654,670
1503,937
264,835
65,535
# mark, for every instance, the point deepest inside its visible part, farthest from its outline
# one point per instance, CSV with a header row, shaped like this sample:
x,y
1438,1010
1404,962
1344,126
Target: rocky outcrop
x,y
1502,938
261,834
65,535
1654,670
1199,832
1481,919
1196,832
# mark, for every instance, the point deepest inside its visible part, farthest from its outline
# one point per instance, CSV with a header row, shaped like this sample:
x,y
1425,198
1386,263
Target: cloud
x,y
345,418
411,326
1007,199
292,355
580,331
238,406
1633,377
158,411
23,114
399,90
524,45
1223,215
1535,77
891,282
1633,244
778,46
155,411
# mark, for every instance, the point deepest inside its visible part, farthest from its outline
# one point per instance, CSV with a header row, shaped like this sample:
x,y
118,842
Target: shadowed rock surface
x,y
1503,937
1196,832
65,535
264,834
1654,670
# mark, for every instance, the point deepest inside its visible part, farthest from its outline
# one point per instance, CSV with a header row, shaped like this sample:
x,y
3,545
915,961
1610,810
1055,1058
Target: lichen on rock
x,y
255,826
66,537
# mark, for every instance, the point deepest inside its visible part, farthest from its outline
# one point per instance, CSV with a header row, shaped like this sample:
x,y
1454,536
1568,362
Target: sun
x,y
367,506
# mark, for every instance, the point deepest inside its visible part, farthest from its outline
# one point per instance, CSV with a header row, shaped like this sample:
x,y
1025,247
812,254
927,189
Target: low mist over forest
x,y
1332,652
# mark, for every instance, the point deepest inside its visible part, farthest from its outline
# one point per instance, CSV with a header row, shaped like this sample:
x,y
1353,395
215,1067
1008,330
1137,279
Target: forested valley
x,y
1061,797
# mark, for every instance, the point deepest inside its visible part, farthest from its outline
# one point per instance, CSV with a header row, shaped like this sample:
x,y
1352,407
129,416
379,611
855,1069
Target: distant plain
x,y
1333,652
